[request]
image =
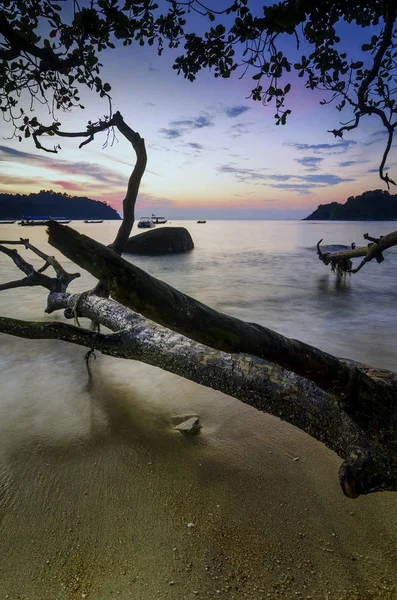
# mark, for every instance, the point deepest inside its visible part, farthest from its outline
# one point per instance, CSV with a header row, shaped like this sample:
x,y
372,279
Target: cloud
x,y
323,179
196,123
194,145
179,128
350,163
68,185
95,172
336,148
385,169
310,162
242,174
239,129
171,134
235,111
300,183
13,180
301,188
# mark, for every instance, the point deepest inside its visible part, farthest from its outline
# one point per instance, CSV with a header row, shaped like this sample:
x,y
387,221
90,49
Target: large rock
x,y
165,240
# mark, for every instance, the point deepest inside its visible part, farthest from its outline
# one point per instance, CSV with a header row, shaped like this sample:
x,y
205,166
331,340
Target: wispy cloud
x,y
351,163
240,129
336,148
310,162
243,174
386,168
6,179
179,128
93,171
171,133
194,145
68,185
235,111
291,182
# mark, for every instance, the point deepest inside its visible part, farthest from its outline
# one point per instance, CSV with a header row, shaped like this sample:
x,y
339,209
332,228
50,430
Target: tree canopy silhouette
x,y
50,50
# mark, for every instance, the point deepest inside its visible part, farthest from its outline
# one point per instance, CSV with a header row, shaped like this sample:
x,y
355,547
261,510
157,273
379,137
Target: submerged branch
x,y
374,250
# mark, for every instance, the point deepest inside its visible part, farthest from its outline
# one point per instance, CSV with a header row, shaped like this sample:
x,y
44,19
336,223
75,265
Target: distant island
x,y
47,202
376,205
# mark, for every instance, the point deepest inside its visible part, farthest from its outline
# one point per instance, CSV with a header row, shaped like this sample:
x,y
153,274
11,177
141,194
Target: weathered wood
x,y
134,181
261,384
341,403
373,250
356,393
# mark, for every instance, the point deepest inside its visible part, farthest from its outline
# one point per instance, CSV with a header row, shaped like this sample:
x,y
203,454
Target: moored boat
x,y
158,220
88,221
7,221
201,221
34,221
145,223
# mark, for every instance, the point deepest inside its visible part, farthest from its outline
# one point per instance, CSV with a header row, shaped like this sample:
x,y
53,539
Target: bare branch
x,y
36,278
129,201
375,250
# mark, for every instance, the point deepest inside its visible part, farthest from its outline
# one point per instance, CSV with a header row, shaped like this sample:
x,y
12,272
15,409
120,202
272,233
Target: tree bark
x,y
369,403
373,250
256,382
347,406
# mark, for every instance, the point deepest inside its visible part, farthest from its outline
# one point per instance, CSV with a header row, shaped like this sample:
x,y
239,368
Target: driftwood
x,y
349,407
341,262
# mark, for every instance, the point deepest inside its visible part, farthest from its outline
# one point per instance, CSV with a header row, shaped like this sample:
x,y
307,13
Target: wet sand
x,y
101,498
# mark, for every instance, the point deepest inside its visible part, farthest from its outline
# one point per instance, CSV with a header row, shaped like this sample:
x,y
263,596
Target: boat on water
x,y
7,221
158,220
145,223
201,221
34,221
88,221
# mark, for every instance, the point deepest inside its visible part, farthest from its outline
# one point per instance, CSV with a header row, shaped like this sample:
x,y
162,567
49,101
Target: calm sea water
x,y
100,496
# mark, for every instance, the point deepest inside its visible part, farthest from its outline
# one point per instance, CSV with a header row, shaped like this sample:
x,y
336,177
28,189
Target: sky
x,y
213,153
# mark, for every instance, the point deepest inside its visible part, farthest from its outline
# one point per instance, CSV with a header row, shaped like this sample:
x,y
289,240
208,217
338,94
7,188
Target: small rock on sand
x,y
191,426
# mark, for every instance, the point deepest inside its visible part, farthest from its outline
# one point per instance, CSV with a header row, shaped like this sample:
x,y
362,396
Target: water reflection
x,y
97,489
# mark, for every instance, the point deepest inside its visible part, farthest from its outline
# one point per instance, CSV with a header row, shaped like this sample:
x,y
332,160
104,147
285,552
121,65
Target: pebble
x,y
191,426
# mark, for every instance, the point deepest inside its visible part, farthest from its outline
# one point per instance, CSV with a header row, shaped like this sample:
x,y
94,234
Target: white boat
x,y
145,223
7,221
158,220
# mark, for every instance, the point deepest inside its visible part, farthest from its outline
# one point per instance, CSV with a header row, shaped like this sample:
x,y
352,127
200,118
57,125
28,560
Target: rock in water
x,y
190,426
167,240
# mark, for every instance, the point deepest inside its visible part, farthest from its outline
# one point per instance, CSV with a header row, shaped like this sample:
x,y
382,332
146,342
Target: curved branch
x,y
129,201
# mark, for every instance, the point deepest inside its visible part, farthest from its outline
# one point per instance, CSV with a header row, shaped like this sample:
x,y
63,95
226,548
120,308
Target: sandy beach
x,y
102,498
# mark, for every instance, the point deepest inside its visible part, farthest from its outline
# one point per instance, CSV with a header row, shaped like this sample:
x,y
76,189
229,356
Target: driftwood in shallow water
x,y
368,458
348,407
341,262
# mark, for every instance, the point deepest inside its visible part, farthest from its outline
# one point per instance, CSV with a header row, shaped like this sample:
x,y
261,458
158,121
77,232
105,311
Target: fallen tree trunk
x,y
256,382
350,408
371,404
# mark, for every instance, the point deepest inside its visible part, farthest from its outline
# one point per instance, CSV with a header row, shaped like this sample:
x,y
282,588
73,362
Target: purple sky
x,y
212,153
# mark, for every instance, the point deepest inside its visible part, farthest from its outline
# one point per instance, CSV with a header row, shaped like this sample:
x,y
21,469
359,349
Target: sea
x,y
100,496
